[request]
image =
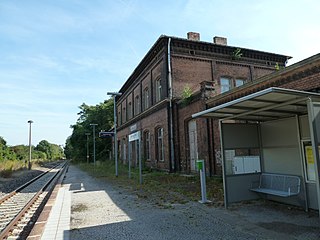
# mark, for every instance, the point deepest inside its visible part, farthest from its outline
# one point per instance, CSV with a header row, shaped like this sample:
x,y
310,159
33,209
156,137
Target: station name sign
x,y
106,134
134,136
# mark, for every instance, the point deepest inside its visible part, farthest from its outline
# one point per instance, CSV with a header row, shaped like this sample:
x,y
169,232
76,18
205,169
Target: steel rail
x,y
5,233
9,195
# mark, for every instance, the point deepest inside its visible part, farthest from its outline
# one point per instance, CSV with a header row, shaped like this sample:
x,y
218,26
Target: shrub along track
x,y
20,208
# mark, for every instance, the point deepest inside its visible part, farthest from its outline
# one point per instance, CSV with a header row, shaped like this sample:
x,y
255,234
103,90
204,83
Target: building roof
x,y
216,50
265,105
293,72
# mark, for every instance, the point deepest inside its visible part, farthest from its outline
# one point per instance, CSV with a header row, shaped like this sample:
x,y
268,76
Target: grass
x,y
163,189
7,167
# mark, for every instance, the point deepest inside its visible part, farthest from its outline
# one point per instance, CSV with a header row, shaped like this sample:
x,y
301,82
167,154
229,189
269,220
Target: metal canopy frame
x,y
266,105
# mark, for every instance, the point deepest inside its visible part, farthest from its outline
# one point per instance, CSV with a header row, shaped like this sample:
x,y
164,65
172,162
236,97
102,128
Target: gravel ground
x,y
102,211
21,177
8,185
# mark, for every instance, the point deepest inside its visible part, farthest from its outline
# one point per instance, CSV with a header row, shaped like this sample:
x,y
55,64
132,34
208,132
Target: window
x,y
228,83
158,90
159,140
137,105
239,82
225,84
124,150
119,118
146,98
129,110
146,138
124,114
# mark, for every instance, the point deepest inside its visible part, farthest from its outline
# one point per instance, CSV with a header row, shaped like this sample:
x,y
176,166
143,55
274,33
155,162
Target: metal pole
x,y
94,142
115,135
140,163
29,161
224,177
115,94
88,134
203,182
129,158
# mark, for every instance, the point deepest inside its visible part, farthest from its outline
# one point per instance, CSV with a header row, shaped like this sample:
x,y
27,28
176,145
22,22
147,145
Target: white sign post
x,y
200,165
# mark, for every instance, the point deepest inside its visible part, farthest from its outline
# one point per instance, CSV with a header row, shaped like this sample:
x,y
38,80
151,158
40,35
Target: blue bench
x,y
277,184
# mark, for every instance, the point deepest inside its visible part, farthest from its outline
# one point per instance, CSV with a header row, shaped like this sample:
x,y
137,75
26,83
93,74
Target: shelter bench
x,y
277,184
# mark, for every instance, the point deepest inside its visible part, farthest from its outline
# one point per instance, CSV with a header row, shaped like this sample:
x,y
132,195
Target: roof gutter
x,y
170,107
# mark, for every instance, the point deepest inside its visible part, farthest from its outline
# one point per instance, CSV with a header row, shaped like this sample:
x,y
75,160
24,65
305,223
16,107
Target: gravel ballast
x,y
18,178
104,211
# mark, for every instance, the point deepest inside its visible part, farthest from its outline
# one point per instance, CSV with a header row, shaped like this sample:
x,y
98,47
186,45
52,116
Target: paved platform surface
x,y
58,223
87,208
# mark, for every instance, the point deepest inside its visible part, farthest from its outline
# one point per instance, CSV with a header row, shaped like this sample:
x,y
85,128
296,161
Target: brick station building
x,y
304,76
179,77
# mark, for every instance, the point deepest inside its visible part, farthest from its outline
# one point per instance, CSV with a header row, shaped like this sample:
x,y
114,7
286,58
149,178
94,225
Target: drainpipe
x,y
170,107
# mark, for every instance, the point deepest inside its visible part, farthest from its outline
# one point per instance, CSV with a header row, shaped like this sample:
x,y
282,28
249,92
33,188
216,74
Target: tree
x,y
44,146
101,114
6,152
52,151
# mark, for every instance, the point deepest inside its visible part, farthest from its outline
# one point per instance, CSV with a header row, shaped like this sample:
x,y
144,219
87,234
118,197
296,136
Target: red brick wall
x,y
156,74
189,68
299,78
151,123
182,135
146,83
189,72
259,72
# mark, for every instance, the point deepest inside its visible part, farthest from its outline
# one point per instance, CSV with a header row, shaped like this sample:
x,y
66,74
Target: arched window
x,y
137,105
158,90
146,100
146,147
129,110
159,144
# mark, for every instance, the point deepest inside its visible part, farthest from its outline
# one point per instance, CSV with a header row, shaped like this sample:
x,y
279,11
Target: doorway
x,y
193,144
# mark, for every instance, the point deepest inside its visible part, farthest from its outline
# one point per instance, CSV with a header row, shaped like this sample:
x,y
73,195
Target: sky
x,y
57,54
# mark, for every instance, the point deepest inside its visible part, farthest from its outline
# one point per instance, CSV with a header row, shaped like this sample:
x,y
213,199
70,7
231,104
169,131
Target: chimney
x,y
193,36
220,40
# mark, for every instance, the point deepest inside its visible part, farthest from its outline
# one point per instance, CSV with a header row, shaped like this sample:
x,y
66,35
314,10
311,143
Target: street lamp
x,y
114,95
88,134
94,142
29,162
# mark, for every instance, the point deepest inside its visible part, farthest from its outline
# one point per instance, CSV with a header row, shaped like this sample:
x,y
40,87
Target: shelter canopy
x,y
266,105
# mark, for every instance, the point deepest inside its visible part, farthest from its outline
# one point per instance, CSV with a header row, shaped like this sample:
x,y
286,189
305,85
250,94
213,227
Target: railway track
x,y
20,208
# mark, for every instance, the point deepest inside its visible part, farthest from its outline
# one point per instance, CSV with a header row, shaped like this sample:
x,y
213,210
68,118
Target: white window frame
x,y
237,81
160,147
158,90
223,84
129,110
147,145
146,99
137,105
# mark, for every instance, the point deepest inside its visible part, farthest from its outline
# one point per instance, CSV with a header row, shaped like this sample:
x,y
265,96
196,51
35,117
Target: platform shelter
x,y
270,146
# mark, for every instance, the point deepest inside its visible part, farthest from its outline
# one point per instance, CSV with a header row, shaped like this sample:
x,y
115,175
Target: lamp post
x,y
94,142
88,134
114,95
29,161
